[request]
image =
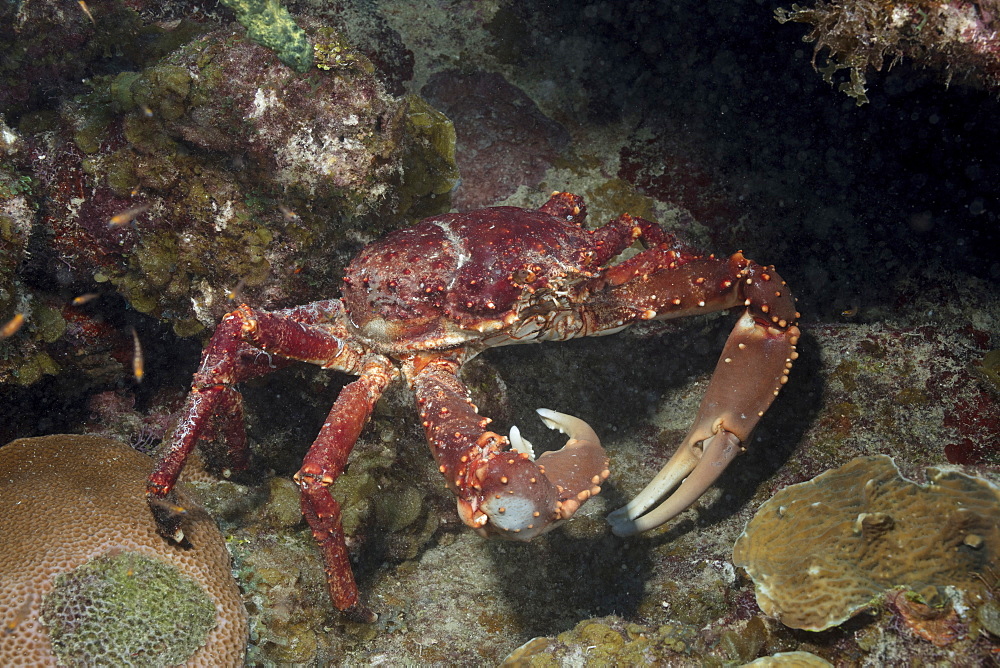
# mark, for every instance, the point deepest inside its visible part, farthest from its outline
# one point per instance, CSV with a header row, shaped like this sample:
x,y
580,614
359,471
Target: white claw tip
x,y
520,444
554,419
573,427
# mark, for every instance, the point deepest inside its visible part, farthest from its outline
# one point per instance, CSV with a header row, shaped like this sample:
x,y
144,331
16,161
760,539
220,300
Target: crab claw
x,y
695,466
523,497
501,488
754,365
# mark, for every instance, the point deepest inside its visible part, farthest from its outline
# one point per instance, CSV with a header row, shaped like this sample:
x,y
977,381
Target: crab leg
x,y
226,360
323,464
754,363
250,343
503,491
229,358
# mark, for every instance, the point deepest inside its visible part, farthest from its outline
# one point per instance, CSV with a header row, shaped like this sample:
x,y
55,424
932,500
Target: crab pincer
x,y
501,488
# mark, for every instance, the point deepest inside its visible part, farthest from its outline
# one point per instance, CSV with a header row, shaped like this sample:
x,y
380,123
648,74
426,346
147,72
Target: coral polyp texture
x,y
125,608
821,551
81,551
958,39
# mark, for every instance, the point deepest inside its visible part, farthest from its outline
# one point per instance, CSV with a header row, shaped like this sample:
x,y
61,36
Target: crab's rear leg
x,y
754,364
226,360
502,491
246,344
250,343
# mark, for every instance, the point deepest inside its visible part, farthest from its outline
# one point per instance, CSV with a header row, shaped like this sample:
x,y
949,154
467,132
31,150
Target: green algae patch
x,y
399,508
429,167
126,609
33,368
163,90
49,323
333,53
988,369
609,641
269,24
616,196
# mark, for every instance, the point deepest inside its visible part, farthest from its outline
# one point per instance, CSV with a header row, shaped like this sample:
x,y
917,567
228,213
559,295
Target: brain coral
x,y
68,500
819,552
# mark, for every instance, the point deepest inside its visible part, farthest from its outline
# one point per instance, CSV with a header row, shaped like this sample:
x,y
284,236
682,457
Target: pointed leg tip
x,y
622,531
552,419
360,614
621,523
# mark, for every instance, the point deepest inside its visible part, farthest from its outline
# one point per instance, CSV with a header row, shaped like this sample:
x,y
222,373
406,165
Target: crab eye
x,y
523,276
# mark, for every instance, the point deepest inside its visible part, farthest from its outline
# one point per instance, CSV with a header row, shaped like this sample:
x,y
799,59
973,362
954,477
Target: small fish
x,y
146,111
20,615
137,364
236,294
127,216
14,324
171,509
849,312
85,298
289,215
86,10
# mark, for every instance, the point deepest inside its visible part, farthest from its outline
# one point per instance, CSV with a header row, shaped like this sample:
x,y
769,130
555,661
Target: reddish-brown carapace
x,y
423,301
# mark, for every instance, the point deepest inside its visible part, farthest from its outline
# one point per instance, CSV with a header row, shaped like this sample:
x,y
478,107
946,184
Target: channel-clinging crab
x,y
424,300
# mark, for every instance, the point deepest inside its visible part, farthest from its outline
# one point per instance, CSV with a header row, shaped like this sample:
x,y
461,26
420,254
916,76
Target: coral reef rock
x,y
217,175
504,139
74,515
821,551
958,39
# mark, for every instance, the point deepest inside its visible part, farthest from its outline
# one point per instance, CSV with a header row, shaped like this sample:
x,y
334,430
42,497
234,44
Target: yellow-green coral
x,y
333,53
429,168
269,24
126,609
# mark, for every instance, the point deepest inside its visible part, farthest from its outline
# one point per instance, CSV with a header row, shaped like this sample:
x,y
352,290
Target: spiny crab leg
x,y
503,491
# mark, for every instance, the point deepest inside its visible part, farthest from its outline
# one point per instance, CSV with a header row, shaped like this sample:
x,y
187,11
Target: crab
x,y
423,301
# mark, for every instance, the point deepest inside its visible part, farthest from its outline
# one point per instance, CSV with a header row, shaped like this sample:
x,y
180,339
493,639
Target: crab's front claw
x,y
753,367
695,466
521,497
502,489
